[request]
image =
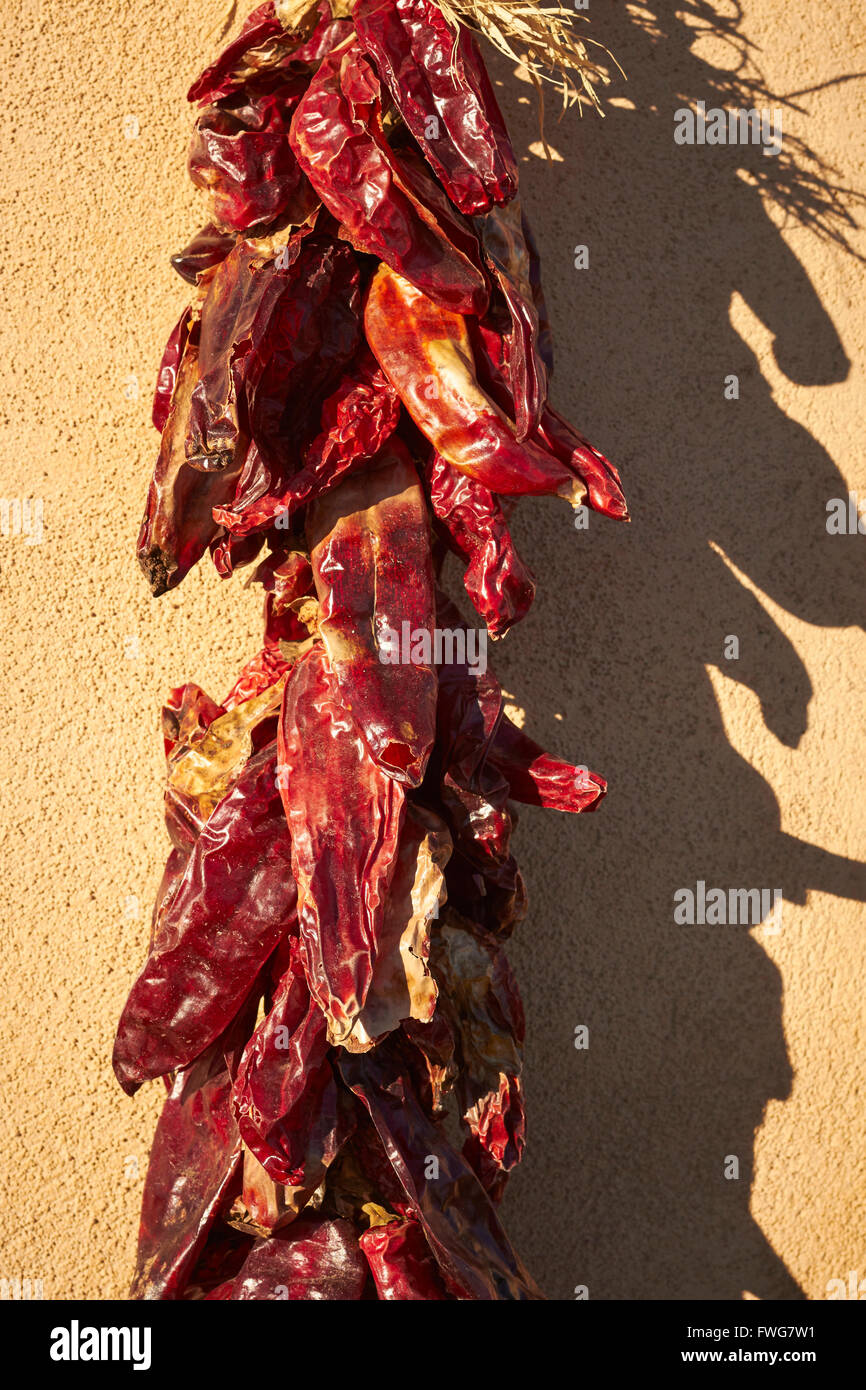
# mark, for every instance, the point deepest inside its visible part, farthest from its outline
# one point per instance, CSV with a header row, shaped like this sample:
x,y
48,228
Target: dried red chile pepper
x,y
240,154
315,1259
401,1263
359,383
426,354
329,779
194,1163
439,84
473,1254
507,254
276,36
294,361
262,41
487,1020
166,379
291,1114
369,544
356,420
389,208
233,905
202,253
498,582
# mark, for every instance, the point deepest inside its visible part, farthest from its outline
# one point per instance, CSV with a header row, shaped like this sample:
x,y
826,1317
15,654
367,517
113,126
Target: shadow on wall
x,y
623,1186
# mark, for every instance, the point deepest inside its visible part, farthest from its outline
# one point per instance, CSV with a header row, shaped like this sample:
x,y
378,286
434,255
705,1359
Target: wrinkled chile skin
x,y
413,48
235,902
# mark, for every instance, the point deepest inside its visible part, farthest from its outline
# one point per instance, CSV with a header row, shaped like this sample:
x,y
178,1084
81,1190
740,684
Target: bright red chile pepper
x,y
344,815
441,89
425,352
401,1263
498,582
389,208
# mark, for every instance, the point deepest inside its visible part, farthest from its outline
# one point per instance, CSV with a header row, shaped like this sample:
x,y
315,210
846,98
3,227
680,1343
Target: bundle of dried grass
x,y
540,40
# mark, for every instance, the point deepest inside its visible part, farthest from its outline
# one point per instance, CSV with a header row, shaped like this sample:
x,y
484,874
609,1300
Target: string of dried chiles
x,y
358,387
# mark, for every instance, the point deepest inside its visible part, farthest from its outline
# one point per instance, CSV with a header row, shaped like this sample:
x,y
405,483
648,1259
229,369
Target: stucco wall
x,y
704,1041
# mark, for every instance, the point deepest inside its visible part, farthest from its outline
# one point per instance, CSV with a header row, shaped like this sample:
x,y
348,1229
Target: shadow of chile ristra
x,y
623,1187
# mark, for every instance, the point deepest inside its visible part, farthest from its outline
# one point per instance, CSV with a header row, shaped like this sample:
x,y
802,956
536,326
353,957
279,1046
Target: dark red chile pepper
x,y
178,524
220,1260
507,255
256,37
235,902
545,333
287,1104
272,38
402,986
430,1059
203,253
402,1264
486,1014
241,156
441,89
186,716
315,1258
357,420
499,583
298,327
286,576
327,35
472,1251
483,878
260,673
224,1053
498,1134
242,297
230,553
295,361
193,1170
166,378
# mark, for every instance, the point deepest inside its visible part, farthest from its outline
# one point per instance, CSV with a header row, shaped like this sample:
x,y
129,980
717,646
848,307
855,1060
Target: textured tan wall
x,y
704,1041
